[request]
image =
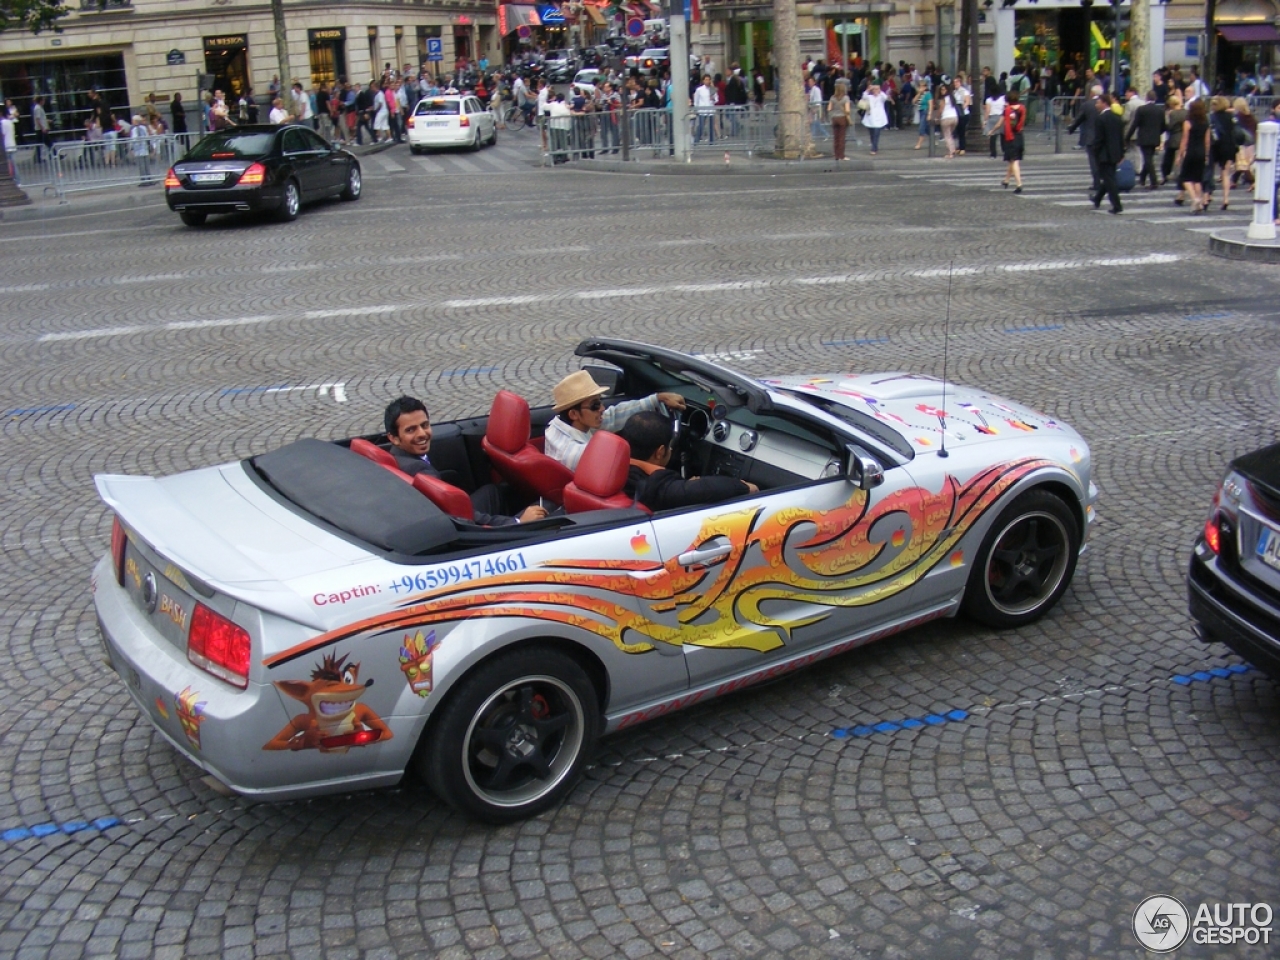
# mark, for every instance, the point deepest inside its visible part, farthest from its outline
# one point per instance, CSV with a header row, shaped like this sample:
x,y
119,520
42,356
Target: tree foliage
x,y
31,15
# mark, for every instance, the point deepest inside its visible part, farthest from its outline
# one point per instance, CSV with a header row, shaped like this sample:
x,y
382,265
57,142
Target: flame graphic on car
x,y
821,560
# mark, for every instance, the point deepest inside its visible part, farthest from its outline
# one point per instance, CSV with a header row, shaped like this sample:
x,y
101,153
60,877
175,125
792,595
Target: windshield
x,y
439,107
863,422
231,146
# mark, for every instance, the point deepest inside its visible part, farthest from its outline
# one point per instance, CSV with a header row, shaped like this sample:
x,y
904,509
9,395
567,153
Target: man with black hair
x,y
409,430
653,485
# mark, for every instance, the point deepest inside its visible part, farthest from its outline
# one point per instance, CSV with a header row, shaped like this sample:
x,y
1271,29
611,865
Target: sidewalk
x,y
46,205
897,152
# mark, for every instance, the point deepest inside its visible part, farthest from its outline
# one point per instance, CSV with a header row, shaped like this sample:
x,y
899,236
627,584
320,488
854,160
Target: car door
x,y
331,164
759,580
304,161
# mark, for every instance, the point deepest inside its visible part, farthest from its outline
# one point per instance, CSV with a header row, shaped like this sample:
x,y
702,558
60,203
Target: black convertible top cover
x,y
357,496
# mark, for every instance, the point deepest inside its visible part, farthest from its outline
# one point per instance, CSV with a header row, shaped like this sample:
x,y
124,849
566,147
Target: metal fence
x,y
75,166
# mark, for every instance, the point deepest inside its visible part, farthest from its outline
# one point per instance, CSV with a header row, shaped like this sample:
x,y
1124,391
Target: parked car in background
x,y
259,167
310,620
451,121
649,59
1233,583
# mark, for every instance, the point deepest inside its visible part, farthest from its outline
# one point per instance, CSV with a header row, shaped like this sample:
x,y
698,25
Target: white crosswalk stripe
x,y
1062,180
513,153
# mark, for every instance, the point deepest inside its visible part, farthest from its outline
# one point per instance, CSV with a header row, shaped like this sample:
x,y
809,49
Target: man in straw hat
x,y
581,412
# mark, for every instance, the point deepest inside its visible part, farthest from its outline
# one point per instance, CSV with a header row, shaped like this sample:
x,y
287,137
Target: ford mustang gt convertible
x,y
313,620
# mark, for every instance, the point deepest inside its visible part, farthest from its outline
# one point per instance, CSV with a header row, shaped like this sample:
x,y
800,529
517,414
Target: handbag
x,y
864,104
1126,176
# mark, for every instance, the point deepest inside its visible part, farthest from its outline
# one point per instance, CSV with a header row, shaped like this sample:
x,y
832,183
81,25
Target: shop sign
x,y
332,33
551,15
235,41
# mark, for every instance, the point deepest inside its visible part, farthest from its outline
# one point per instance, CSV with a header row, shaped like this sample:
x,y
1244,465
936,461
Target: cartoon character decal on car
x,y
335,720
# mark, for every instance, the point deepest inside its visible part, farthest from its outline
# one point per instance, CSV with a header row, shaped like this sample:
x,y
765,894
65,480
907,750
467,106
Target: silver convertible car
x,y
311,620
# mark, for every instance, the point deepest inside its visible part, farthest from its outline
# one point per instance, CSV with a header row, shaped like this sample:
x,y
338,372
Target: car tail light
x,y
253,176
464,121
118,541
409,123
218,646
171,179
1212,526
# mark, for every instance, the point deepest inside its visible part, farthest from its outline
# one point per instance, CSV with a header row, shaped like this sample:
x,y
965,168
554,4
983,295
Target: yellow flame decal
x,y
847,556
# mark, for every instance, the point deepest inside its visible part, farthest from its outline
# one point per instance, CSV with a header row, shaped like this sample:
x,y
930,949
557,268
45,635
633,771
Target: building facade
x,y
132,49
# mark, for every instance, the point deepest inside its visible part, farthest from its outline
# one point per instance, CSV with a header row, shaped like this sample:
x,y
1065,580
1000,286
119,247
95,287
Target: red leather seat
x,y
519,462
602,472
452,500
371,451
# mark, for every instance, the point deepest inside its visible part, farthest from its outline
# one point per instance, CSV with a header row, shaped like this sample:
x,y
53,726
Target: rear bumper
x,y
1225,611
231,200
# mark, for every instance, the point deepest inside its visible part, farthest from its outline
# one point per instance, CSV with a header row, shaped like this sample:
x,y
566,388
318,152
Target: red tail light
x,y
254,176
171,179
118,540
1212,531
464,121
409,123
218,646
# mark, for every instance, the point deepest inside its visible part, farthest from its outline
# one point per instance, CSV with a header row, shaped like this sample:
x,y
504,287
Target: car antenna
x,y
946,340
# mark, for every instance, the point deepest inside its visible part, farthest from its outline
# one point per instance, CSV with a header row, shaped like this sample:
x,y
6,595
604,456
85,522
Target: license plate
x,y
1269,547
208,177
438,123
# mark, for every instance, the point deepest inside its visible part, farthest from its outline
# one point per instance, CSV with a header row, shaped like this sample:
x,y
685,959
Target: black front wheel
x,y
513,737
1025,563
354,183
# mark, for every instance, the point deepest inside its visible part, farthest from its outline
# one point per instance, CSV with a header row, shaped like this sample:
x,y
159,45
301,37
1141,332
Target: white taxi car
x,y
451,121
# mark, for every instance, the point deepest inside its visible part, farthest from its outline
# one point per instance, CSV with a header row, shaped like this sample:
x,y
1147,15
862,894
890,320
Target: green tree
x,y
31,15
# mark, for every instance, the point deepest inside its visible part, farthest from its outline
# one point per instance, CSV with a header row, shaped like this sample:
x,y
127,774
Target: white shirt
x,y
6,131
815,94
876,116
278,115
704,100
567,443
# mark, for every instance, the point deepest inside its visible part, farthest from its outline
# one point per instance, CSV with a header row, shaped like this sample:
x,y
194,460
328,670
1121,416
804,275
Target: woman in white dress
x,y
382,119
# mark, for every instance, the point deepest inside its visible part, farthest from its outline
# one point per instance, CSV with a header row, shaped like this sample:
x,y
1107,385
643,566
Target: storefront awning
x,y
513,16
1249,32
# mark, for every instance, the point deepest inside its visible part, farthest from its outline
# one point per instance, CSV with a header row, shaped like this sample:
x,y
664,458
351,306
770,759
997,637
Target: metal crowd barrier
x,y
33,166
1065,109
104,164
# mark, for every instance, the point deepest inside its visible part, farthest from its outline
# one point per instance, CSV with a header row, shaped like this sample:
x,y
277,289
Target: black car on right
x,y
1233,584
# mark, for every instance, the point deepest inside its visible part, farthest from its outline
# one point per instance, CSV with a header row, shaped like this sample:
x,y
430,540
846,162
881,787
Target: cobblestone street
x,y
1099,757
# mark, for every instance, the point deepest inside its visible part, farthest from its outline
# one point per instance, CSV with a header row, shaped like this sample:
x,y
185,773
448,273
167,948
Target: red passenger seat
x,y
452,500
371,451
515,458
602,473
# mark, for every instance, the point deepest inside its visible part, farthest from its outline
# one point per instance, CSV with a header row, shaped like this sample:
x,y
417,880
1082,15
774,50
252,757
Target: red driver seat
x,y
519,462
602,473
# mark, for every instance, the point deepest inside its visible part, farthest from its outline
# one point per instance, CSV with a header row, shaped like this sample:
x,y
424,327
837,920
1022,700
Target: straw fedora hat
x,y
574,389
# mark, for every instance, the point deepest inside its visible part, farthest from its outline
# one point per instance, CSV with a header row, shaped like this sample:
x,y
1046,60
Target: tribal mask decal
x,y
848,556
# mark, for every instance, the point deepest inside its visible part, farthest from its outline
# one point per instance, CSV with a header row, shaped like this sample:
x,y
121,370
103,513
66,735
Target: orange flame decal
x,y
847,556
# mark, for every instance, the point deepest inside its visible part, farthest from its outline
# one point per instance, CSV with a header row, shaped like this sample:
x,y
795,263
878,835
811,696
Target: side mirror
x,y
863,470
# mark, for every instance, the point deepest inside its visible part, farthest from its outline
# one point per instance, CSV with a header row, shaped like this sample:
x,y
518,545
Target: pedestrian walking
x,y
704,104
947,115
1086,122
875,116
1108,146
924,104
840,113
178,113
1222,126
1147,129
1193,154
1174,117
1012,124
964,106
9,138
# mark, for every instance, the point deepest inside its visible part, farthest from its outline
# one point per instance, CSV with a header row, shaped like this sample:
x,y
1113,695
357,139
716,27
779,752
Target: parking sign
x,y
435,48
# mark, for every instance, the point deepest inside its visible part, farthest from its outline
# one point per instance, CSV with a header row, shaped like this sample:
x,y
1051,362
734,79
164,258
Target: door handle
x,y
704,557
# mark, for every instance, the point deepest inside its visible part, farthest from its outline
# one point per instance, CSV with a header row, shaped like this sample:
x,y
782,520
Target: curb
x,y
708,168
1233,243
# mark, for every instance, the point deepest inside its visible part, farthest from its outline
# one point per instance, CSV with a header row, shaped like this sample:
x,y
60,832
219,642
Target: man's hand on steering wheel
x,y
672,401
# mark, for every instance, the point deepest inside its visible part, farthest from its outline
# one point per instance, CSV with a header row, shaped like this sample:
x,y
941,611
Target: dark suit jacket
x,y
1086,122
665,489
1108,144
484,498
1148,125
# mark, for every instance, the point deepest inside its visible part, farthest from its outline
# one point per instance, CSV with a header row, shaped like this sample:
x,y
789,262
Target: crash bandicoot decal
x,y
415,661
335,720
190,714
847,556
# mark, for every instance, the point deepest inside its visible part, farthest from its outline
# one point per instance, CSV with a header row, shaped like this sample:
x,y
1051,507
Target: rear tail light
x,y
253,176
218,646
409,123
464,121
1213,529
171,179
118,541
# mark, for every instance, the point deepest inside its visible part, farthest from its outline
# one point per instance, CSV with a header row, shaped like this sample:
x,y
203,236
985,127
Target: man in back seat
x,y
409,430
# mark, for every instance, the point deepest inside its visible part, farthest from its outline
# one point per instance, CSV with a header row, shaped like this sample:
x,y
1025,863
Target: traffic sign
x,y
435,48
524,32
635,27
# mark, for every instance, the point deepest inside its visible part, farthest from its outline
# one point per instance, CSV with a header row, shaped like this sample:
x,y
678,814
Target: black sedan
x,y
259,167
1234,580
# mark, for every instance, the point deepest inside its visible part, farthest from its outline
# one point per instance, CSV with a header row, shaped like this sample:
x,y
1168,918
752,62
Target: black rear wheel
x,y
292,202
513,736
1025,563
193,218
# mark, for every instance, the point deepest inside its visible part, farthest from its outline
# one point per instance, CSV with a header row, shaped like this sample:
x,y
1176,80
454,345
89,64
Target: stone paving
x,y
1078,766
